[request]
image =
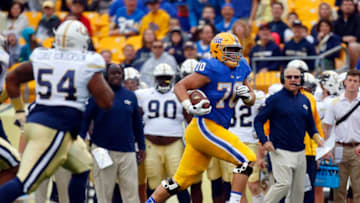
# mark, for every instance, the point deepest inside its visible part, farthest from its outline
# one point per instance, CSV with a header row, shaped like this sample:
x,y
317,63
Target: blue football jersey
x,y
220,90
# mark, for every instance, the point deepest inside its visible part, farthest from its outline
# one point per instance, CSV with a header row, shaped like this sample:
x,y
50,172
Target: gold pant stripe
x,y
8,157
44,160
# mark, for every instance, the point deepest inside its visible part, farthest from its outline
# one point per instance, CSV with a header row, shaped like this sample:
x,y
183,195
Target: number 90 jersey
x,y
242,122
163,113
62,77
220,90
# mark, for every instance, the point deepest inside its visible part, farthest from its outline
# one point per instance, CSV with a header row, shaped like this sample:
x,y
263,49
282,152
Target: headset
x,y
282,77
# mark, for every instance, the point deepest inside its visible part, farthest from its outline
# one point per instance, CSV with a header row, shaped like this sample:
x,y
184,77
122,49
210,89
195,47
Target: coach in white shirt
x,y
347,136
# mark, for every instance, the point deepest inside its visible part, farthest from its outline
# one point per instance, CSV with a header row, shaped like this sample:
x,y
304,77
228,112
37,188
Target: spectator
x,y
243,32
129,53
144,52
14,48
115,132
175,23
227,12
158,56
107,55
29,35
183,15
325,41
190,50
347,136
157,19
48,23
167,6
208,15
347,26
324,13
299,46
196,11
203,44
175,47
266,47
289,112
127,19
120,4
245,10
277,25
288,34
305,34
66,5
16,20
77,9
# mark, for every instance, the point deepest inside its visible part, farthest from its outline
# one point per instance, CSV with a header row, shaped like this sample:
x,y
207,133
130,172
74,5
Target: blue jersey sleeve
x,y
205,67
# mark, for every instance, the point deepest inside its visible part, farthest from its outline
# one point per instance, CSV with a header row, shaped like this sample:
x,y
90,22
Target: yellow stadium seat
x,y
61,14
114,44
47,43
264,80
103,20
135,41
93,18
33,18
96,42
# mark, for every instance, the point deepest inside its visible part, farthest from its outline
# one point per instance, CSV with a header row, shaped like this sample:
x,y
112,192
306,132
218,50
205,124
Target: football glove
x,y
243,92
196,109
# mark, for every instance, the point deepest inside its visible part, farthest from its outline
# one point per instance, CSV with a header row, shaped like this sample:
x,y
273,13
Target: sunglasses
x,y
292,76
157,47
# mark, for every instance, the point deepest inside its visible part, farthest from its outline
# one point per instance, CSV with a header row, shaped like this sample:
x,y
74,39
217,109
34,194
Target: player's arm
x,y
101,91
190,82
14,79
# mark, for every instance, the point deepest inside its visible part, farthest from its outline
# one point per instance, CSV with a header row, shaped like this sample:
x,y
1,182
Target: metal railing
x,y
319,60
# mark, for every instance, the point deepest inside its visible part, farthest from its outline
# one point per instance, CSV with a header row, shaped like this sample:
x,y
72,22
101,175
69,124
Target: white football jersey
x,y
242,123
163,113
4,62
62,77
324,105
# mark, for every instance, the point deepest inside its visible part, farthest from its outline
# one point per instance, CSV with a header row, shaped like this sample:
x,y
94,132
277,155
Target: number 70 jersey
x,y
62,77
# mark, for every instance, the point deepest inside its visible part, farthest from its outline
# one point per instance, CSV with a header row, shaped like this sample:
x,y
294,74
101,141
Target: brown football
x,y
196,96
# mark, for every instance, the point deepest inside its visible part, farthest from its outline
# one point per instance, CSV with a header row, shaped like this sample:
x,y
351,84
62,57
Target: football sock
x,y
183,196
258,198
150,200
227,188
235,197
216,188
11,190
77,187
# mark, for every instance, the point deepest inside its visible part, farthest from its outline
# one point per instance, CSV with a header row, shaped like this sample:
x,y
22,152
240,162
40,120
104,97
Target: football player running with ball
x,y
223,78
65,77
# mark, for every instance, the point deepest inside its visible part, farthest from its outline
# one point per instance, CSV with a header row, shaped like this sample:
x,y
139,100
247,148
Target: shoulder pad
x,y
95,60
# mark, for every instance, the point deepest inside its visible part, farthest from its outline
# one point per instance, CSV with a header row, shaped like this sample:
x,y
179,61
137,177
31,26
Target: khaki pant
x,y
162,161
289,169
349,167
123,169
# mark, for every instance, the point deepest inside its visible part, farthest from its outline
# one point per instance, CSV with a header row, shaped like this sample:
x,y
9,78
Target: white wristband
x,y
186,104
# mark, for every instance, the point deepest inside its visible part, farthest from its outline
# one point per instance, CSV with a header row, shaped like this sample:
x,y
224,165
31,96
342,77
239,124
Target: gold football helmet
x,y
226,48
